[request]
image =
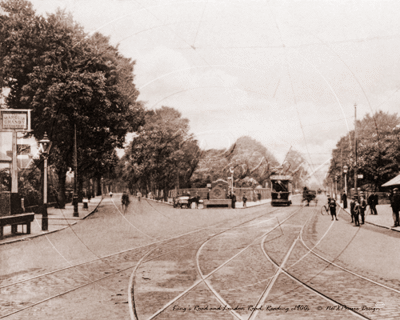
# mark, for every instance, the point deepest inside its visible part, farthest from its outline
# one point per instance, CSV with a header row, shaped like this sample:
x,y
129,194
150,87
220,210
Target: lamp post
x,y
336,181
45,148
345,178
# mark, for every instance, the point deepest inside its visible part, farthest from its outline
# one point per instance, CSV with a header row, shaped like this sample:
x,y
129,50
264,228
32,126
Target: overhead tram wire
x,y
291,83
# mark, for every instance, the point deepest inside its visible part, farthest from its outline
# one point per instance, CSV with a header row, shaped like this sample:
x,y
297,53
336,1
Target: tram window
x,y
279,186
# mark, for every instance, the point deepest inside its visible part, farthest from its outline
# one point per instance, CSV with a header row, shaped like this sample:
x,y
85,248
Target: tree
x,y
378,150
247,157
70,81
162,154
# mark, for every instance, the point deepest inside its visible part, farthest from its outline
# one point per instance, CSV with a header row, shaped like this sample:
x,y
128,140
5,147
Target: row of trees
x,y
163,155
378,152
76,82
72,81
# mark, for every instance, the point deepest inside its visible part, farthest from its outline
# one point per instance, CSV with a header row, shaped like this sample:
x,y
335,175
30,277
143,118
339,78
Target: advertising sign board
x,y
15,120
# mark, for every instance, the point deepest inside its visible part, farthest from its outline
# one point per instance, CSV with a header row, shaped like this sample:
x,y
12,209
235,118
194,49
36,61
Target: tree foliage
x,y
71,81
162,152
378,151
247,157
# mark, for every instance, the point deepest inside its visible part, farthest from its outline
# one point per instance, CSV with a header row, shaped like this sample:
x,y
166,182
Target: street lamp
x,y
345,178
45,148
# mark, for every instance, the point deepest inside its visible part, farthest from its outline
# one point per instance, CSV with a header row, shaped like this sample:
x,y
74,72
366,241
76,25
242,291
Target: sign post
x,y
15,120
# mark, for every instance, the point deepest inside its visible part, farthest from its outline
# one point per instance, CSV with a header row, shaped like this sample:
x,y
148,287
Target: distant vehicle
x,y
280,190
309,195
182,201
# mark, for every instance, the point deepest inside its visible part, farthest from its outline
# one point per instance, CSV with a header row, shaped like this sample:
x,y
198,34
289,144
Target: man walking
x,y
372,203
362,207
395,204
244,200
332,207
353,204
125,201
344,199
233,198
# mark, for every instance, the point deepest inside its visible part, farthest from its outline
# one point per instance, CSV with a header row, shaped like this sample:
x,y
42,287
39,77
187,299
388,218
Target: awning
x,y
394,182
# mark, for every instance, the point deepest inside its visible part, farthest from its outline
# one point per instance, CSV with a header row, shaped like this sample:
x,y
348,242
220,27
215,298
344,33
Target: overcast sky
x,y
286,73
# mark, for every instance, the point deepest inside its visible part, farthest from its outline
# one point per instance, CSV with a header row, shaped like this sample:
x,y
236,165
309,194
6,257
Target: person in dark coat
x,y
344,200
125,201
244,200
233,198
362,208
332,207
372,203
395,204
353,204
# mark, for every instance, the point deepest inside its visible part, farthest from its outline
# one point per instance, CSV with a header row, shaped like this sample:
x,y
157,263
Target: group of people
x,y
232,196
358,206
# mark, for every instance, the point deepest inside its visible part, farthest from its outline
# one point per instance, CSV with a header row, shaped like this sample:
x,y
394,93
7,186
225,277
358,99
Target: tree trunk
x,y
61,189
98,183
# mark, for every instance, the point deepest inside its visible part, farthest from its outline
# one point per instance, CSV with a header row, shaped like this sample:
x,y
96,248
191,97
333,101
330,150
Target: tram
x,y
281,187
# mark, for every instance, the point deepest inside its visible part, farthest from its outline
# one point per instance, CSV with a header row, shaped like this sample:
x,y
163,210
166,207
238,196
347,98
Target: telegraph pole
x,y
75,197
355,147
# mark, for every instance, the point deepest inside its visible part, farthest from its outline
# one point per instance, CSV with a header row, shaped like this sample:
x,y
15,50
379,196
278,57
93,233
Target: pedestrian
x,y
356,212
395,204
139,195
332,208
344,200
197,199
362,207
110,194
372,203
125,201
259,196
244,198
233,199
353,204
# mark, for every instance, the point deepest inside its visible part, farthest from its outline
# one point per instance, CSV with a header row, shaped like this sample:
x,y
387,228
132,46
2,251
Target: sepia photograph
x,y
199,159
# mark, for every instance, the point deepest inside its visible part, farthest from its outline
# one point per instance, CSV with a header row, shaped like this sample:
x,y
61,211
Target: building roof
x,y
394,182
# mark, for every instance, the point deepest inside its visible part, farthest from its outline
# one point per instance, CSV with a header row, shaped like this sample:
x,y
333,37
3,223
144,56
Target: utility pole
x,y
355,147
75,197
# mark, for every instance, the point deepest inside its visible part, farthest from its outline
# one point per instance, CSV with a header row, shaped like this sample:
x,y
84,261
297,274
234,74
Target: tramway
x,y
87,273
207,274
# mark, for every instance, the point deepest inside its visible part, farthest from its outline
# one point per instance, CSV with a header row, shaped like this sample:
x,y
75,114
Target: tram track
x,y
204,277
109,273
327,276
281,269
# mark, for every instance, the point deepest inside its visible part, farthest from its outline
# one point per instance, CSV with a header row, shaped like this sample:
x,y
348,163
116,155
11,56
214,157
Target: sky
x,y
286,73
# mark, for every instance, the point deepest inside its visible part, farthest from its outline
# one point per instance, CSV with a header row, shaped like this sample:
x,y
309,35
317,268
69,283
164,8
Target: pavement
x,y
58,219
383,219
